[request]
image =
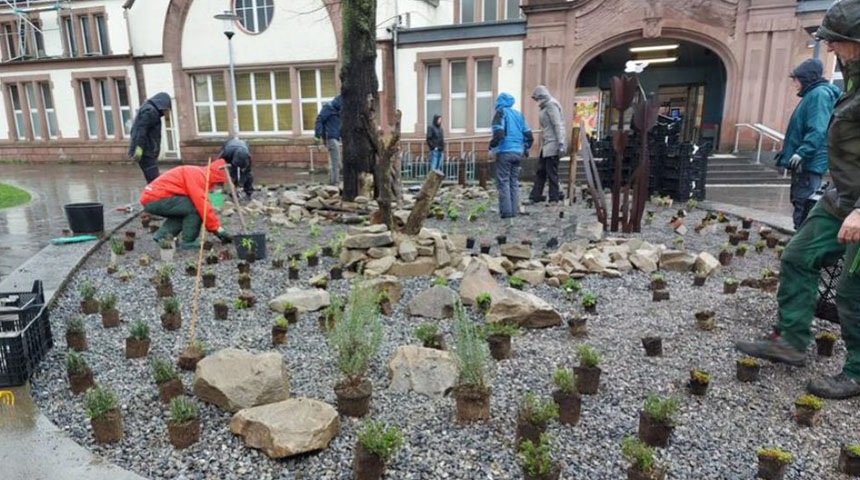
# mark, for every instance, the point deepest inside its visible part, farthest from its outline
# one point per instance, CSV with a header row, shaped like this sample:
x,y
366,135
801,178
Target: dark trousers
x,y
180,216
803,185
149,166
547,171
243,178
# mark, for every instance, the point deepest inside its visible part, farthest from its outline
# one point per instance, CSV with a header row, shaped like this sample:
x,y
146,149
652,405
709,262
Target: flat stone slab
x,y
423,370
287,428
234,379
304,299
436,302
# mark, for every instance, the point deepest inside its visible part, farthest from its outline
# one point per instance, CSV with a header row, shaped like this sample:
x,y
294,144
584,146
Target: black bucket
x,y
87,217
258,244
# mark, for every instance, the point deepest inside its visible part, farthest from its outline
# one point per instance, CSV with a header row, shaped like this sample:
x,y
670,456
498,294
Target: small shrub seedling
x,y
99,400
661,409
536,459
163,371
588,356
381,440
775,453
537,411
564,380
182,409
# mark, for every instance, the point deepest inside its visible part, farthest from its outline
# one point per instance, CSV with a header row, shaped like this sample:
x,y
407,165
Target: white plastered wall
x,y
146,26
413,14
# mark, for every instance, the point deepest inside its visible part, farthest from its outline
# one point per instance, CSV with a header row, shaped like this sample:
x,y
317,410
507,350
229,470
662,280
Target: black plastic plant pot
x,y
470,243
336,273
698,388
328,252
653,346
748,373
485,249
849,462
87,217
502,239
259,247
824,346
771,468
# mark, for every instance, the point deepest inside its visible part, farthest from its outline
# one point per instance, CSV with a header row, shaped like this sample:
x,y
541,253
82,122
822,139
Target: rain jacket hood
x,y
328,121
161,101
511,132
505,100
551,122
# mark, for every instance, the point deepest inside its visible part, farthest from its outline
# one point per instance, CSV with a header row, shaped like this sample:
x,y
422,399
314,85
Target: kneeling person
x,y
238,156
180,196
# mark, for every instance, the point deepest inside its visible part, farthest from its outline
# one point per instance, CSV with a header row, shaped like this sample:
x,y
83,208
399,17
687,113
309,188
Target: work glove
x,y
223,235
562,149
317,140
138,153
795,163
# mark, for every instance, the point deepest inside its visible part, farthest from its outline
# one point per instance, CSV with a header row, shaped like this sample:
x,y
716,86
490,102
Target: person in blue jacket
x,y
512,139
805,148
328,131
238,156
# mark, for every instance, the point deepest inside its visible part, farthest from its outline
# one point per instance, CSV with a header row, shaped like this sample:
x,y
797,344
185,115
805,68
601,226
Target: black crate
x,y
25,334
825,308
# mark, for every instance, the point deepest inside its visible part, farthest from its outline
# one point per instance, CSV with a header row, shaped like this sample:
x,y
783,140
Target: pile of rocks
x,y
377,251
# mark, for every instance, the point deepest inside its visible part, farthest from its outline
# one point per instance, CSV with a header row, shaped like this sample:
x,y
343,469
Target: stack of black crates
x,y
25,334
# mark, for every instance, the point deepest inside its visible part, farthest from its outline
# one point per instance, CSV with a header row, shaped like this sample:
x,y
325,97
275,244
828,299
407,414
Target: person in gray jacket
x,y
553,146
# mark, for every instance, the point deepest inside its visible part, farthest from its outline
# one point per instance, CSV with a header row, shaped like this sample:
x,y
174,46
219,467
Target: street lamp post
x,y
229,18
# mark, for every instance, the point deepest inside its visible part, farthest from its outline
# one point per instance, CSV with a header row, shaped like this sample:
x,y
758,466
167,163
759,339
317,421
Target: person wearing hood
x,y
328,131
181,196
145,135
436,142
805,147
512,139
831,232
238,156
552,145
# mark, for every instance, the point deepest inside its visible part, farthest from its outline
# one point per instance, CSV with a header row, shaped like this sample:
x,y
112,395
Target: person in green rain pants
x,y
831,231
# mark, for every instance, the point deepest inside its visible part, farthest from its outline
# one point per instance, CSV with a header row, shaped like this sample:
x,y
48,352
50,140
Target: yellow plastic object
x,y
7,397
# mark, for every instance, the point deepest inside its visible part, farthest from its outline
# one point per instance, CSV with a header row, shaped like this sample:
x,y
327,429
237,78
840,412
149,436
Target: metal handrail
x,y
762,131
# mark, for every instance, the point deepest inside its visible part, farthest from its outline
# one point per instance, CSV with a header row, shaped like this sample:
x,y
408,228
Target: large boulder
x,y
706,264
420,267
408,251
477,280
306,300
644,260
369,240
390,284
677,260
287,428
423,370
517,251
534,276
234,379
436,302
375,268
524,309
592,231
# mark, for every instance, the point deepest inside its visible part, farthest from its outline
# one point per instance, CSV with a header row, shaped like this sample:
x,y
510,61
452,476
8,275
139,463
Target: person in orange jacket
x,y
180,196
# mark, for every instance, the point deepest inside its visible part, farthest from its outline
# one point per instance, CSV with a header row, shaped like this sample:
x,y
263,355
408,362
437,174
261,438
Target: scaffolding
x,y
24,39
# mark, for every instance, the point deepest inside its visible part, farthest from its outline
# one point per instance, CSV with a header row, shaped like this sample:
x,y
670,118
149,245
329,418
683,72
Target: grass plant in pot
x,y
769,281
79,372
244,267
384,302
656,420
354,341
589,302
485,247
376,446
117,250
742,250
430,336
699,280
167,379
658,281
706,320
699,382
588,371
517,282
772,463
247,298
102,408
760,246
278,256
312,256
222,310
89,304
578,326
76,334
807,410
849,460
279,331
571,288
171,319
471,393
331,314
128,240
653,346
248,245
824,343
208,278
191,355
138,341
107,306
536,460
163,282
293,271
484,301
566,397
730,285
780,250
726,255
643,465
191,268
748,369
212,258
183,428
498,335
166,249
533,415
660,295
245,281
291,313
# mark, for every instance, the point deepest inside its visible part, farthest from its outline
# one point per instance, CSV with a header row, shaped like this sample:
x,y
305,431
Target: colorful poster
x,y
586,109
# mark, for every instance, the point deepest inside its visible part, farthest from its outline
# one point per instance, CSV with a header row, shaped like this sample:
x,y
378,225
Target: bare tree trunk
x,y
358,85
385,173
423,202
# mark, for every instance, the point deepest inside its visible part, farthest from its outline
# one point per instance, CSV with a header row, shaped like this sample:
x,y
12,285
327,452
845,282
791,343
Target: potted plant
x,y
183,429
735,239
453,213
706,320
577,325
166,249
471,393
769,282
89,304
249,244
730,285
589,302
849,460
485,247
163,283
354,341
470,243
643,466
660,295
245,281
79,372
191,355
331,314
747,223
649,217
517,282
748,369
376,446
430,337
679,243
779,251
190,268
105,417
277,256
208,245
279,331
742,250
588,371
824,343
501,239
699,280
76,334
484,301
291,313
240,304
110,315
312,256
384,302
536,460
759,246
247,299
658,281
137,342
533,414
653,346
439,213
772,463
656,420
168,380
699,382
209,278
244,267
807,409
566,396
221,309
171,319
571,287
153,227
293,271
498,335
212,258
726,255
117,249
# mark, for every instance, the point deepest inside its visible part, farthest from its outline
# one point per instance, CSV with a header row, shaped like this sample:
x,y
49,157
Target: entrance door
x,y
170,136
686,102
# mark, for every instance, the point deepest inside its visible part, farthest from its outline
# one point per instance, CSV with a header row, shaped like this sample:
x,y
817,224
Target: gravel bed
x,y
716,438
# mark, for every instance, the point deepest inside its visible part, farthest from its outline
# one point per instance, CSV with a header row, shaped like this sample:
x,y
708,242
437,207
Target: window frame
x,y
257,8
254,102
485,10
108,125
318,99
107,109
18,119
92,131
474,13
482,94
101,33
435,96
50,112
519,10
70,41
211,103
123,108
29,121
78,43
464,96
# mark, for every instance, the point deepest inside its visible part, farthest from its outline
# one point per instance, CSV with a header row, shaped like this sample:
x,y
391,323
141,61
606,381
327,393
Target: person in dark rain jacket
x,y
146,135
238,156
436,143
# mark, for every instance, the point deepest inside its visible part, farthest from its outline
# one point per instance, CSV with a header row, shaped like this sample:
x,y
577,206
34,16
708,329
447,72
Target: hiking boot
x,y
774,350
837,387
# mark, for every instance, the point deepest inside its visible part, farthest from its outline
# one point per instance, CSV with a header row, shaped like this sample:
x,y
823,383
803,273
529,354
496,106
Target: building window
x,y
35,123
483,94
18,112
210,103
255,15
107,107
512,8
69,35
457,113
467,11
491,8
317,86
433,92
264,102
50,112
89,109
9,40
124,105
101,29
85,34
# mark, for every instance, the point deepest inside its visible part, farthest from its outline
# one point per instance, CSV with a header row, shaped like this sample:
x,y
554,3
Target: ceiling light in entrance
x,y
655,48
659,60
